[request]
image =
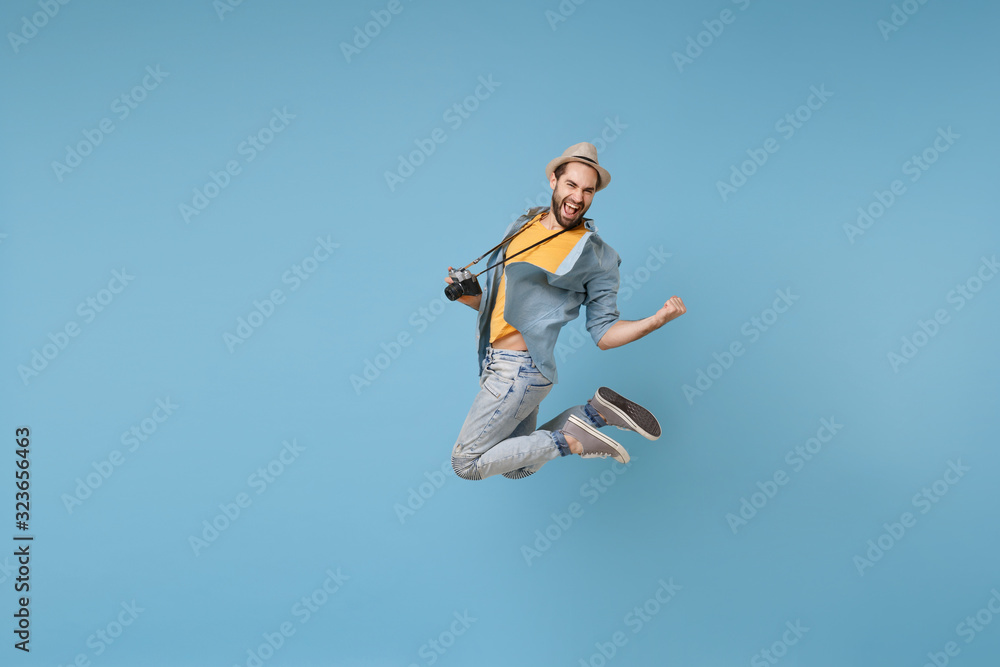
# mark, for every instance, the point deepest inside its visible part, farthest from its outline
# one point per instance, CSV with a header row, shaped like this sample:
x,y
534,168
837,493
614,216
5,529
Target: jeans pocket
x,y
531,399
533,376
496,385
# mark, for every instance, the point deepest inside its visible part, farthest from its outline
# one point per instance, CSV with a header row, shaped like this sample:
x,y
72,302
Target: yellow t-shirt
x,y
547,256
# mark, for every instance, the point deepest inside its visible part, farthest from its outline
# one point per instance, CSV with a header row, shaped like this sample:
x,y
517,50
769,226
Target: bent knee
x,y
466,467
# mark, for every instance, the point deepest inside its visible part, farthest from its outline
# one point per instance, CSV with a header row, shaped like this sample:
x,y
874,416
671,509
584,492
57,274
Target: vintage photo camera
x,y
464,284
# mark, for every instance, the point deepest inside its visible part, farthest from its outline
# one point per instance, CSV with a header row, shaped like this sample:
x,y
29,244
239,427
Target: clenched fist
x,y
672,309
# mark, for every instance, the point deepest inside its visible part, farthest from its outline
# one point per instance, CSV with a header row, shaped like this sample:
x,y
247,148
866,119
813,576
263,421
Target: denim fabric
x,y
539,303
499,435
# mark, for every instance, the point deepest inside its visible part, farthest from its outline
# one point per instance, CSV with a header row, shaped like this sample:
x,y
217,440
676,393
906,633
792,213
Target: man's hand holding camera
x,y
470,300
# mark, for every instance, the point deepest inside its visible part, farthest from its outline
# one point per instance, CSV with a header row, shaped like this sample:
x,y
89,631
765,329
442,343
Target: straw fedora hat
x,y
583,152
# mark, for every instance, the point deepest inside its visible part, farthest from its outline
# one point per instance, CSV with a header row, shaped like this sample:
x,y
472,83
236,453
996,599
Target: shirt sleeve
x,y
602,295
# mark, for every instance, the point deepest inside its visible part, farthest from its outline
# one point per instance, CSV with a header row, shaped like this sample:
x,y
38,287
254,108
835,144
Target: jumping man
x,y
523,307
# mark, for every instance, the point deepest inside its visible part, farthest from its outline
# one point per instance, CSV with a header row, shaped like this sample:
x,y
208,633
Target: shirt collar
x,y
588,223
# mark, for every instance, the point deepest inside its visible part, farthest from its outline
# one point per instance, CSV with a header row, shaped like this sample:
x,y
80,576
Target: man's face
x,y
573,192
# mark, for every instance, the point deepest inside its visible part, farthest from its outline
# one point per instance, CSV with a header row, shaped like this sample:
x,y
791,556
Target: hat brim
x,y
604,173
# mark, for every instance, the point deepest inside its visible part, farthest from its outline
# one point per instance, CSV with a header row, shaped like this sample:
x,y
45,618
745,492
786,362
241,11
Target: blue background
x,y
364,492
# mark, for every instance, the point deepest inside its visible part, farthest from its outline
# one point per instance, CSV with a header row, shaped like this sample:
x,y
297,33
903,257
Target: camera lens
x,y
453,291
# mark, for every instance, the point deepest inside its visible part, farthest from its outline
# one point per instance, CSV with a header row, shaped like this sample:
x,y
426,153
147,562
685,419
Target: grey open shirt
x,y
539,303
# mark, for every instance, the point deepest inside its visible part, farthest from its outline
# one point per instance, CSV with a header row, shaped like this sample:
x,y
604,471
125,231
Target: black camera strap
x,y
502,243
511,238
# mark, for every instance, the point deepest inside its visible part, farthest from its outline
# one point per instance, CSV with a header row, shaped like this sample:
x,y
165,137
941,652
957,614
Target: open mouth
x,y
570,211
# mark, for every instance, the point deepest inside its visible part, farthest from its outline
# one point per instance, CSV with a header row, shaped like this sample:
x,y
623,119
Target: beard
x,y
556,208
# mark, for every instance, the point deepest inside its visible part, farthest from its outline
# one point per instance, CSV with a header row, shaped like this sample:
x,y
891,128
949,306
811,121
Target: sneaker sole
x,y
638,418
622,457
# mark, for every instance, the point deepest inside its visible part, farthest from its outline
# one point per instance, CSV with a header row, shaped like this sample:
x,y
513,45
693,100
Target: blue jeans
x,y
499,435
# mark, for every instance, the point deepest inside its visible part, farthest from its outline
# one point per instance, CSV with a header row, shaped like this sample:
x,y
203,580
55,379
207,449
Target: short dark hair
x,y
562,168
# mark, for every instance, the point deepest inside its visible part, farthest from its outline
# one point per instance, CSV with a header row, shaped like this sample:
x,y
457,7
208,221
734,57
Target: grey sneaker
x,y
595,444
625,414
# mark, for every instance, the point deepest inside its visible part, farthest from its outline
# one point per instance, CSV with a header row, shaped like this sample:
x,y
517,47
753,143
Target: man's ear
x,y
552,181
